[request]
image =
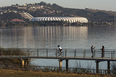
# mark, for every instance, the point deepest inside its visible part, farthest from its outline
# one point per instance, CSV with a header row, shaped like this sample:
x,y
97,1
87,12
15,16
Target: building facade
x,y
66,19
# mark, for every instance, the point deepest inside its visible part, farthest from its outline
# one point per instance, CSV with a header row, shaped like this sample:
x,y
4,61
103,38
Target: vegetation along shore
x,y
30,73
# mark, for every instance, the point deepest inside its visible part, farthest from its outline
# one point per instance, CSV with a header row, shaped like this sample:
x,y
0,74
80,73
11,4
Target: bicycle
x,y
58,53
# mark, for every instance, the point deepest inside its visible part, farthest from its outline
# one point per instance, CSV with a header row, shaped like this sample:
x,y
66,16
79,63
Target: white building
x,y
67,19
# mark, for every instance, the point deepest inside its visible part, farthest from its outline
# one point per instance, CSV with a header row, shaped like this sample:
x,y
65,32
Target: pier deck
x,y
67,54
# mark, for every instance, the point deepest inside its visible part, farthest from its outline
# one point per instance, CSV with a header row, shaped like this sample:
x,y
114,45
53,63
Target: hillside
x,y
44,9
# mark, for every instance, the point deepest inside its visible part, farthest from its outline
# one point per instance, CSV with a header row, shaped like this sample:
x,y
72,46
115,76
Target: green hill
x,y
44,9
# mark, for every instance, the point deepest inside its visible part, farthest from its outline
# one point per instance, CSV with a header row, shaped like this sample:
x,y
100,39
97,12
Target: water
x,y
67,36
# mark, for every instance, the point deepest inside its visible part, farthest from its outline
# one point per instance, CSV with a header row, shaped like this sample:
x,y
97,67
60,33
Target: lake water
x,y
67,36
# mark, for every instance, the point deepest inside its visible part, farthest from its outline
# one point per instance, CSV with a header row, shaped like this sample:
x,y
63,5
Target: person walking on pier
x,y
92,50
59,49
103,50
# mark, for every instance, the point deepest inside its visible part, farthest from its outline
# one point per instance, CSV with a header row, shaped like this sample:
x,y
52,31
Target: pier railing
x,y
66,53
80,54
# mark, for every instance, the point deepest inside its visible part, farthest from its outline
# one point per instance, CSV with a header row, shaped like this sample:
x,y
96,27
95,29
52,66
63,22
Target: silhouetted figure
x,y
92,50
103,50
60,49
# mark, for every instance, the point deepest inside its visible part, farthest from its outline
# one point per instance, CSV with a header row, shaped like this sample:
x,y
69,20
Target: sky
x,y
108,5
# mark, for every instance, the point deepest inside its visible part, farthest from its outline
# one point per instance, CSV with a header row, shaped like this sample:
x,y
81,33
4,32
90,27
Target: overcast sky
x,y
109,5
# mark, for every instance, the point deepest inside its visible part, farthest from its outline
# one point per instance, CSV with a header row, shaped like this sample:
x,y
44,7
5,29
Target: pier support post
x,y
23,62
97,66
66,65
60,64
108,67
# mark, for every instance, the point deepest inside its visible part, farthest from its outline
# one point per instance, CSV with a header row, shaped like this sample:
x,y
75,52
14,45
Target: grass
x,y
20,73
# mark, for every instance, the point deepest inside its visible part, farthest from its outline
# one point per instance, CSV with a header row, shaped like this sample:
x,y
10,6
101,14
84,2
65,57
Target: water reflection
x,y
51,36
43,37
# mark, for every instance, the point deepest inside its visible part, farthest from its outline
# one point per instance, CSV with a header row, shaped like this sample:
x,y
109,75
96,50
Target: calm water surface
x,y
68,37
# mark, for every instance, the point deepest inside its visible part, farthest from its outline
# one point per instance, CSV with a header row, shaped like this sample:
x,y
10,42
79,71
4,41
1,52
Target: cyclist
x,y
60,49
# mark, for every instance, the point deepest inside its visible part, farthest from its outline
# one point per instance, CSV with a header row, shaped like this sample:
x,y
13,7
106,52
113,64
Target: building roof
x,y
68,19
17,20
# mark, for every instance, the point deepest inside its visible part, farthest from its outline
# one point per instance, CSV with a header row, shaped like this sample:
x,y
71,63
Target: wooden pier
x,y
67,54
